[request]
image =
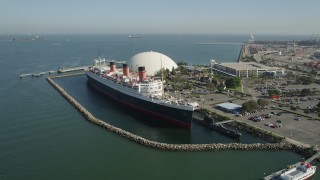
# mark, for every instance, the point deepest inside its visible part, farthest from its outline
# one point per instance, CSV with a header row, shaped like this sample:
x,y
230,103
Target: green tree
x,y
293,108
220,89
211,86
173,71
313,72
202,79
305,92
233,82
263,102
166,72
306,80
274,92
174,87
182,63
250,106
290,75
189,86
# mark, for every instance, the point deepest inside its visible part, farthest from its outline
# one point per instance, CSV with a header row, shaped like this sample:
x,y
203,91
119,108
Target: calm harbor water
x,y
43,137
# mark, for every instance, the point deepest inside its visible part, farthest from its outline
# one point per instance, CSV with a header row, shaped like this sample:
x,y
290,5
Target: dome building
x,y
152,61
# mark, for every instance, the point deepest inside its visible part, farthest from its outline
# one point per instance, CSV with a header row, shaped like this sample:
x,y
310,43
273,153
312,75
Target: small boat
x,y
134,36
303,171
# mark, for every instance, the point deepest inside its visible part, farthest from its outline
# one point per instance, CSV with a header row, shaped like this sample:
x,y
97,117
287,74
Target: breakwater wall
x,y
241,52
164,146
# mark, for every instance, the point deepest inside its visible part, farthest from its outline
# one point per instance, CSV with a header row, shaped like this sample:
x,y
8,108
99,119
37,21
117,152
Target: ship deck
x,y
295,173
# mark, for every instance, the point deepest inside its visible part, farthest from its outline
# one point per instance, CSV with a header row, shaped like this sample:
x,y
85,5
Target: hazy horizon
x,y
287,17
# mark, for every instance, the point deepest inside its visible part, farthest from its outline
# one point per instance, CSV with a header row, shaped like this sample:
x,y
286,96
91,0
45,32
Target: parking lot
x,y
296,127
299,128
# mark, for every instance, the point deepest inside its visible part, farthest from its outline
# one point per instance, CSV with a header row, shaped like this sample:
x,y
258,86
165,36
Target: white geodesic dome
x,y
152,61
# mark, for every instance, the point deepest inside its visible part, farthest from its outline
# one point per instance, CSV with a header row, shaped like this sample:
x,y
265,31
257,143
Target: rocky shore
x,y
278,144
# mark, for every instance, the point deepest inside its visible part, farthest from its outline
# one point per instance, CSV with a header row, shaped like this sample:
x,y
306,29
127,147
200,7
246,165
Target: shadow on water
x,y
140,124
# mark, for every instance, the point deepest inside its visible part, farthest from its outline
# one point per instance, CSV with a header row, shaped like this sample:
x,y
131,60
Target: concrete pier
x,y
37,74
241,52
24,75
63,70
170,147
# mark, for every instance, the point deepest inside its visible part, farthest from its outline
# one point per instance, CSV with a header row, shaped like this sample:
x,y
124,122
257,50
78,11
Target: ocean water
x,y
43,137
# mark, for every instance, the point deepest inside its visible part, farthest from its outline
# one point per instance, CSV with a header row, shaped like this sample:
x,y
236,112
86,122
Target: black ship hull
x,y
179,117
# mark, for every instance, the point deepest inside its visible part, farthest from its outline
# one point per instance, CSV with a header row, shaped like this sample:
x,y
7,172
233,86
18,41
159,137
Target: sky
x,y
299,17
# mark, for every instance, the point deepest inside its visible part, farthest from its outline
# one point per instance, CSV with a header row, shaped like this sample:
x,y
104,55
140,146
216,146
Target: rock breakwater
x,y
279,145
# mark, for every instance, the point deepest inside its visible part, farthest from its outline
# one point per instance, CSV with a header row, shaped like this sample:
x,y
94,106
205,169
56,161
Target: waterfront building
x,y
250,69
229,107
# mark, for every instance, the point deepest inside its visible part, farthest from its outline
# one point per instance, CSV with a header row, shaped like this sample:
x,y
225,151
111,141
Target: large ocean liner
x,y
139,92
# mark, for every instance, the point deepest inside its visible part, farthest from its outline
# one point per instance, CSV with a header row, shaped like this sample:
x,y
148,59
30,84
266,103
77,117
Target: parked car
x,y
267,123
297,119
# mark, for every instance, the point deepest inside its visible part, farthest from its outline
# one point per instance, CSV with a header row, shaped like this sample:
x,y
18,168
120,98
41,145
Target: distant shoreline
x,y
219,43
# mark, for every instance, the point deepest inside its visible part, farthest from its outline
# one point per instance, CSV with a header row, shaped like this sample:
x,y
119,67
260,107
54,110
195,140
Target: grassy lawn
x,y
238,89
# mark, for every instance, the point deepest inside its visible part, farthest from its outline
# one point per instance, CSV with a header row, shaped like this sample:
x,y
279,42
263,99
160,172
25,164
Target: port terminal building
x,y
246,70
229,107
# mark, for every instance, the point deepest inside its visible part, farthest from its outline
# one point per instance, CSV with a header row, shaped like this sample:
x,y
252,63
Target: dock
x,y
316,156
36,74
222,122
24,75
197,117
276,174
33,74
63,70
